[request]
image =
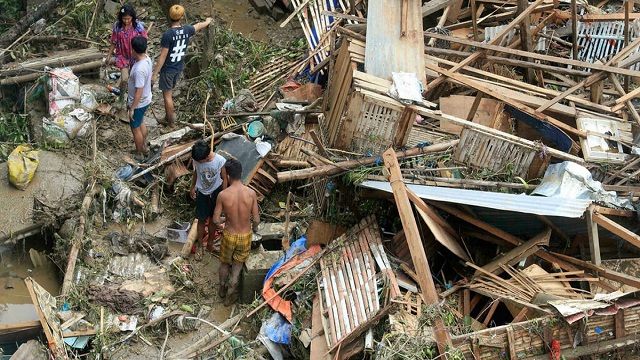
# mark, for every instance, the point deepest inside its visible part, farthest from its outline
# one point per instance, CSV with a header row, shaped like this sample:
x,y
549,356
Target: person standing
x,y
139,97
209,178
170,64
239,204
124,30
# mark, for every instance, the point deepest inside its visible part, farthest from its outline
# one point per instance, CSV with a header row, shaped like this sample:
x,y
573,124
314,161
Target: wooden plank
x,y
520,315
518,253
69,334
602,272
621,101
594,239
542,57
444,237
495,40
410,228
432,6
6,328
492,310
418,255
619,327
420,204
474,107
615,212
526,39
607,17
617,229
42,301
503,235
519,85
318,340
479,223
476,85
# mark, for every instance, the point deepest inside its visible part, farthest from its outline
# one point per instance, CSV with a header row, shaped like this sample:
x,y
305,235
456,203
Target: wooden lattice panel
x,y
485,151
373,124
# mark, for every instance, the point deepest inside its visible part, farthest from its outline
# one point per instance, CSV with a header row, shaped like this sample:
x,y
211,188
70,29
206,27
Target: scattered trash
x,y
178,232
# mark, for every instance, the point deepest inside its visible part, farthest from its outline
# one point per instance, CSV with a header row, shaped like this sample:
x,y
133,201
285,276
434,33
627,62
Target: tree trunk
x,y
23,24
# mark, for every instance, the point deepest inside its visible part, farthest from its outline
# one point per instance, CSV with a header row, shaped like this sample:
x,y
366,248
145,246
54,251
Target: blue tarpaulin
x,y
278,329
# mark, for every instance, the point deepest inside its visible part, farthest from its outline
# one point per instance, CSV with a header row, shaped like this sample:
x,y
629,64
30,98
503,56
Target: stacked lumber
x,y
288,152
317,20
77,60
267,79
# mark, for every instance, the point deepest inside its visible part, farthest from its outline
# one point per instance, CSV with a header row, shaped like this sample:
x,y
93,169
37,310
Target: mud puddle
x,y
15,265
241,17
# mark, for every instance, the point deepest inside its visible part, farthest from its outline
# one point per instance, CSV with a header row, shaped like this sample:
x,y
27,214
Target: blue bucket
x,y
256,129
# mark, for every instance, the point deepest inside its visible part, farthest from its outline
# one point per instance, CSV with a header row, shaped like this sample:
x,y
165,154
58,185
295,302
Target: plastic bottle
x,y
114,90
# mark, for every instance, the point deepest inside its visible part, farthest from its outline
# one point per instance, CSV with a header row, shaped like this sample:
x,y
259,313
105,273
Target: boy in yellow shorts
x,y
239,204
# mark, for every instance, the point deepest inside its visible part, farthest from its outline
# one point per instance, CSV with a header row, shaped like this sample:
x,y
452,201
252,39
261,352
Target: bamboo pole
x,y
77,237
30,77
337,168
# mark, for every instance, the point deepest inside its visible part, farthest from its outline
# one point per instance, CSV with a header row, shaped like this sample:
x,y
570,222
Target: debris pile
x,y
467,191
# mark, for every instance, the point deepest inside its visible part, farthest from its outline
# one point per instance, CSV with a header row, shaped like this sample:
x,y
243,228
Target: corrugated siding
x,y
386,50
539,205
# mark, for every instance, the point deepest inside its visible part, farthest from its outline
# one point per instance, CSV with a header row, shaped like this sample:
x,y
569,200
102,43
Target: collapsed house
x,y
495,100
509,155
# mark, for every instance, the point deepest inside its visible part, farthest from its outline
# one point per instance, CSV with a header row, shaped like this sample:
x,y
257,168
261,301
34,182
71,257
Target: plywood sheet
x,y
490,113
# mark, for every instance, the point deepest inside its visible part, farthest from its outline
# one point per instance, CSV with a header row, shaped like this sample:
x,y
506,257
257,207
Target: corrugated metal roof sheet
x,y
540,205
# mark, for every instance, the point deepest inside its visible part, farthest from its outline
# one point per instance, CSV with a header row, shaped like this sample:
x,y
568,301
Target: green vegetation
x,y
11,11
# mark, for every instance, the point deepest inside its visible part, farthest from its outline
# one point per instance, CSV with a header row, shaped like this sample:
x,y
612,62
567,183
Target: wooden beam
x,y
503,235
621,101
607,17
545,220
474,106
554,59
419,203
410,227
618,320
432,6
615,212
504,61
492,311
6,328
522,85
521,315
337,168
78,238
602,272
526,39
56,349
596,347
518,253
617,229
620,90
598,76
418,255
526,109
594,239
497,17
495,40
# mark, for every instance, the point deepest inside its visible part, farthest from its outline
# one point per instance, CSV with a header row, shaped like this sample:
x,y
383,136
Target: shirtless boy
x,y
239,204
